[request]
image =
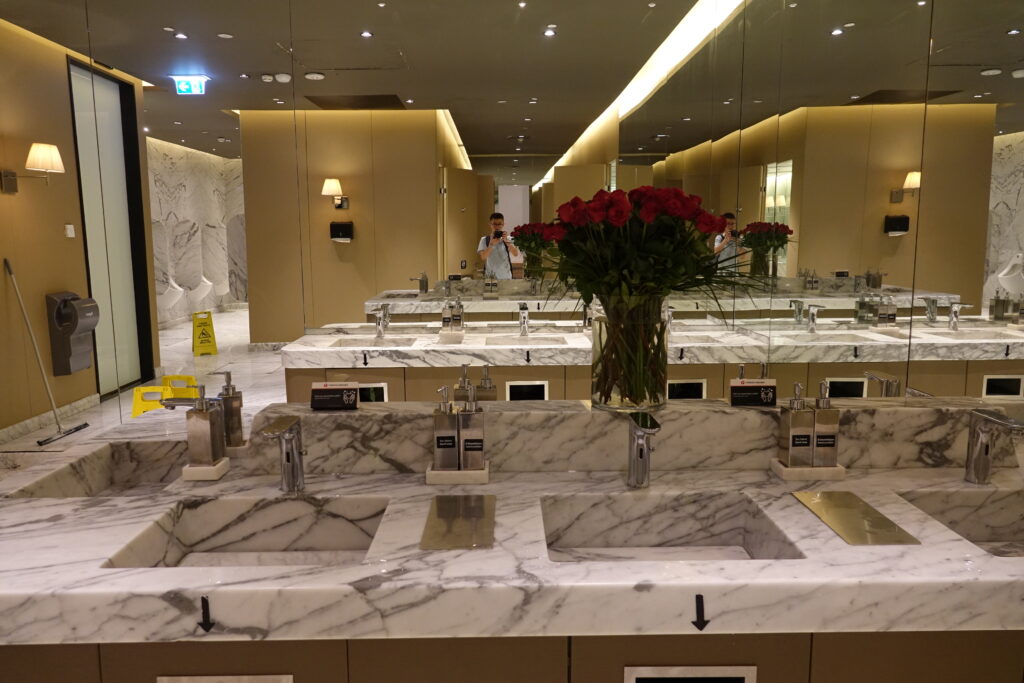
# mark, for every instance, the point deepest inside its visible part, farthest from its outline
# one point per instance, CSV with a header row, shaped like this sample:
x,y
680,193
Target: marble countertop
x,y
65,576
402,301
690,341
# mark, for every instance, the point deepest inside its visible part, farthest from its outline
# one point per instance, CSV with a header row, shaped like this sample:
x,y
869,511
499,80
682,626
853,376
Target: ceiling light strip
x,y
692,32
458,138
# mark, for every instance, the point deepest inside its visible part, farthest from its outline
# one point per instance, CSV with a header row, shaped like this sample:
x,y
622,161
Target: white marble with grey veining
x,y
1006,208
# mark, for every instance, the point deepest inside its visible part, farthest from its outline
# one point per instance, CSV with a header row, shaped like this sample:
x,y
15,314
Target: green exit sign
x,y
190,85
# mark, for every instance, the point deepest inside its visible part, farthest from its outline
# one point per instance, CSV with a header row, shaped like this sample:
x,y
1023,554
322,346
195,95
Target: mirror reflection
x,y
343,186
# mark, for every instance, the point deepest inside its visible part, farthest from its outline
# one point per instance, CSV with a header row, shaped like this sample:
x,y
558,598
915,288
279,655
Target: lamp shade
x,y
913,181
781,201
332,187
769,202
43,157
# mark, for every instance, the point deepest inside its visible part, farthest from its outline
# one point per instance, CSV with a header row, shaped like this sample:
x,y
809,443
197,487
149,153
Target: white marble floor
x,y
259,375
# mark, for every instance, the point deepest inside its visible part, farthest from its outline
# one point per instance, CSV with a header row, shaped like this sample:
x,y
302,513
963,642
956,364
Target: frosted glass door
x,y
100,137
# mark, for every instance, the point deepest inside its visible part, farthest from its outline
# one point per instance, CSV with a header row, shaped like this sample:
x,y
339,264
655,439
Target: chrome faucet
x,y
447,286
931,307
954,314
890,384
812,317
383,318
798,310
288,432
984,424
424,283
588,318
642,426
524,319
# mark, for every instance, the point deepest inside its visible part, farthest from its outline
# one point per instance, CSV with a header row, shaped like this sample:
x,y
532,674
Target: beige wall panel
x,y
599,143
448,152
31,221
659,175
535,206
50,663
579,181
629,177
939,377
577,382
458,660
759,144
340,145
896,134
834,185
393,377
819,371
724,186
321,661
462,232
792,135
548,207
486,202
421,384
273,244
977,369
297,382
405,196
954,196
941,657
778,658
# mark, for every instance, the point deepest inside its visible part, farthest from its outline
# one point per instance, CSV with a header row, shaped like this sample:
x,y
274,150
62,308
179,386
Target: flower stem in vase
x,y
630,355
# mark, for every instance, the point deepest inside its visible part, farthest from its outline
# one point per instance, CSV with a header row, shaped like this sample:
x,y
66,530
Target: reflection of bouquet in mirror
x,y
535,240
767,237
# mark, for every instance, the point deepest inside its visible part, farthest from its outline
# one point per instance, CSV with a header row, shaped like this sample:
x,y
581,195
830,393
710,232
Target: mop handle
x,y
35,345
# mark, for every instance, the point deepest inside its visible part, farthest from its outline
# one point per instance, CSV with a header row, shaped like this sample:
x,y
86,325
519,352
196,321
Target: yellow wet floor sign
x,y
204,341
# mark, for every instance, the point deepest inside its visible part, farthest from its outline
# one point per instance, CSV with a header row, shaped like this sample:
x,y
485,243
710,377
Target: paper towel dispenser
x,y
71,321
342,231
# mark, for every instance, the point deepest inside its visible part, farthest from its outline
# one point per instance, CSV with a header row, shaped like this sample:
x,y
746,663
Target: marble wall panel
x,y
199,227
1006,207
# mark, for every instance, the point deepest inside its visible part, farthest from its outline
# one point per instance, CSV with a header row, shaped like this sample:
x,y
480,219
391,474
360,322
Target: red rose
x,y
597,209
619,208
601,196
639,195
555,233
650,210
574,212
674,207
709,223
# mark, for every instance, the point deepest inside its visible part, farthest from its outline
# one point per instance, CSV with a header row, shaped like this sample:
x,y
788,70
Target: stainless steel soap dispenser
x,y
205,427
486,390
461,392
231,403
796,431
471,434
826,430
446,434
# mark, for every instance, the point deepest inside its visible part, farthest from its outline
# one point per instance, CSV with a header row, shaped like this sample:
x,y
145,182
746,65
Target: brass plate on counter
x,y
855,521
459,523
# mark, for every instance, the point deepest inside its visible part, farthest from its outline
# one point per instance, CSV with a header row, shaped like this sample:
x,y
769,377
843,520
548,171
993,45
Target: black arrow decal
x,y
206,624
701,623
365,361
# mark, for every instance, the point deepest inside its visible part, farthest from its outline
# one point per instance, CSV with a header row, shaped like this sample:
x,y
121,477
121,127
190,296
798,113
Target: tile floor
x,y
259,375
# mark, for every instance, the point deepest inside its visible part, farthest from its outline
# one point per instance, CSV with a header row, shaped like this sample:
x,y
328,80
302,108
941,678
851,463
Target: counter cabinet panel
x,y
50,663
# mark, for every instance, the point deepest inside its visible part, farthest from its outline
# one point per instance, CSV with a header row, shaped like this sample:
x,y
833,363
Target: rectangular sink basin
x,y
976,335
722,525
401,295
12,463
238,532
991,519
373,342
684,339
820,338
516,340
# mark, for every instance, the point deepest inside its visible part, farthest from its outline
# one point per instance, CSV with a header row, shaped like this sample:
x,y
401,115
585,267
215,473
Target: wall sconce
x,y
332,188
41,157
911,184
769,202
781,201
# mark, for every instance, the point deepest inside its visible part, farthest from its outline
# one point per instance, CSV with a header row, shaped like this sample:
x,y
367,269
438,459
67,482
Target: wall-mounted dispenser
x,y
71,320
342,232
895,226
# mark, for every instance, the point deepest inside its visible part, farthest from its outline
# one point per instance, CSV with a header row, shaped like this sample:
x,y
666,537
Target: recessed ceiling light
x,y
527,119
652,5
382,4
177,123
550,30
1017,73
283,78
978,96
849,25
204,132
837,31
502,101
183,139
145,130
225,36
758,101
366,34
792,5
222,139
180,36
687,118
726,101
532,102
986,93
515,161
639,149
1000,132
243,75
314,76
854,97
991,72
522,5
169,28
267,78
409,101
1013,32
922,3
519,149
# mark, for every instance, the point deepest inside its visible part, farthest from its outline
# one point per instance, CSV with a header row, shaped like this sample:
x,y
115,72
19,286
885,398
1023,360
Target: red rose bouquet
x,y
536,240
768,237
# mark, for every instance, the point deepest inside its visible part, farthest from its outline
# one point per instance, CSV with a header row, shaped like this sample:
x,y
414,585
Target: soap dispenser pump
x,y
486,390
463,386
796,431
446,434
826,430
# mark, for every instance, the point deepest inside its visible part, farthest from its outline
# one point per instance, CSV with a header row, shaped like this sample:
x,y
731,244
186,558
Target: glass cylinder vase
x,y
629,368
759,262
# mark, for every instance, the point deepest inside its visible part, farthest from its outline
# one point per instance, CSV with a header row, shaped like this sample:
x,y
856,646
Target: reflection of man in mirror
x,y
496,249
726,244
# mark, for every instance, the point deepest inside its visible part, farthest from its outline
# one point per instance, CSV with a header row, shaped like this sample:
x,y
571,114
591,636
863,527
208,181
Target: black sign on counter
x,y
334,396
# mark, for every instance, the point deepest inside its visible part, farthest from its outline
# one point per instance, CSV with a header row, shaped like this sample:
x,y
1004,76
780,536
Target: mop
x,y
61,432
